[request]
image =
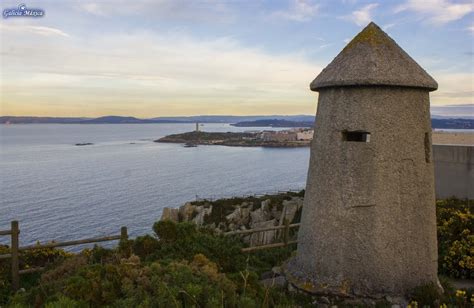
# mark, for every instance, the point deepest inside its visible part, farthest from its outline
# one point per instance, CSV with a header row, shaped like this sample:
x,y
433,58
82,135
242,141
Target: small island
x,y
275,139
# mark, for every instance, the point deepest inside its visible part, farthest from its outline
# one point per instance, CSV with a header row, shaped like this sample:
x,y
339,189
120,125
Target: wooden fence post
x,y
182,297
15,255
123,234
286,233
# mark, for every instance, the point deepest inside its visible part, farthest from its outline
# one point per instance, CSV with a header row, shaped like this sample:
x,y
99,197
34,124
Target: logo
x,y
23,11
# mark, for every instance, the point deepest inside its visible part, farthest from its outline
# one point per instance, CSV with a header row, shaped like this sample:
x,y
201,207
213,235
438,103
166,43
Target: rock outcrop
x,y
250,213
170,214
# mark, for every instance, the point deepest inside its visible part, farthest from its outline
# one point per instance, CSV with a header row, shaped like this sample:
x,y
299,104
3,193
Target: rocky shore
x,y
226,215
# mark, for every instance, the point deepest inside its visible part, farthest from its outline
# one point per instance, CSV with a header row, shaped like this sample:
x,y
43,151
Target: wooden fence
x,y
16,250
285,236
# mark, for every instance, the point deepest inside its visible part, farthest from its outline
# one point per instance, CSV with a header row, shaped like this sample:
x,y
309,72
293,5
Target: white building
x,y
304,135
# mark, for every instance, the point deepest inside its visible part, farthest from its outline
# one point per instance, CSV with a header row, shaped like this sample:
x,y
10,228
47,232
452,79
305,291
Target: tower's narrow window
x,y
357,136
428,147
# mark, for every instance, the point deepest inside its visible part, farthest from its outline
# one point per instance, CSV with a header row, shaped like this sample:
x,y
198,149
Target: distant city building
x,y
279,136
294,134
305,135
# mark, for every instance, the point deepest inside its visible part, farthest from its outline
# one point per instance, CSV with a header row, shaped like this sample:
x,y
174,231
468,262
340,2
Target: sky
x,y
149,58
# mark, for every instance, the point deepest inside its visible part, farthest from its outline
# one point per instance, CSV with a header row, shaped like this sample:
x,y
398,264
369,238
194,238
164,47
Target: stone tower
x,y
368,223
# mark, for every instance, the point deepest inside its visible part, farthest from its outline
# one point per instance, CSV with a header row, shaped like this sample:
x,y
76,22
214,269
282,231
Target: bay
x,y
59,191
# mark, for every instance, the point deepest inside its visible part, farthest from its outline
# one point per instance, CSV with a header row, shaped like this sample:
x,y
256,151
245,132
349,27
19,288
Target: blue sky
x,y
175,57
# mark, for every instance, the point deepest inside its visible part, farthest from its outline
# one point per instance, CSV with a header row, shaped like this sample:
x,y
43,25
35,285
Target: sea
x,y
59,191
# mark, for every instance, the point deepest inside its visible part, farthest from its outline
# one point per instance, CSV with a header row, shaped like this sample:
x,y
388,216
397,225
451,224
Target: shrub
x,y
189,241
455,239
129,283
30,258
144,246
426,295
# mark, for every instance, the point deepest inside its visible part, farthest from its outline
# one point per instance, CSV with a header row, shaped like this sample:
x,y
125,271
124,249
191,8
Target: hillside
x,y
239,121
274,123
133,120
435,123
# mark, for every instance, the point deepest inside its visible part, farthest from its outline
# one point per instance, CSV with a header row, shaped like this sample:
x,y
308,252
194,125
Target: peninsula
x,y
276,139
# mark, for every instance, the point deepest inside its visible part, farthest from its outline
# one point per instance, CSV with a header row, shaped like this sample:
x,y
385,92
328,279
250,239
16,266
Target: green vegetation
x,y
455,238
181,264
429,296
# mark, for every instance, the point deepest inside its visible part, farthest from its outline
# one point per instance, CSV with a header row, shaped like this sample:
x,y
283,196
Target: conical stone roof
x,y
373,58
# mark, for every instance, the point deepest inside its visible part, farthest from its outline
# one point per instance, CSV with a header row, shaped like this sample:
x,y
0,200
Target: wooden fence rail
x,y
15,249
285,236
240,232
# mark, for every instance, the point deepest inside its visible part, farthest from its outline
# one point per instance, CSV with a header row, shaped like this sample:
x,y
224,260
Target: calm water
x,y
60,191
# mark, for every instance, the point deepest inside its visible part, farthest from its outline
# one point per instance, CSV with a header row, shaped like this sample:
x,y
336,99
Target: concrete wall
x,y
454,171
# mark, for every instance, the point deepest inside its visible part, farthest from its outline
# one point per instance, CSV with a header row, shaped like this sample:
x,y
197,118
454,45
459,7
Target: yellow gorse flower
x,y
460,293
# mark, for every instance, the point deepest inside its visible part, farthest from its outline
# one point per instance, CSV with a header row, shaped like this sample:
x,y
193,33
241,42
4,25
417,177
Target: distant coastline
x,y
156,120
274,123
283,121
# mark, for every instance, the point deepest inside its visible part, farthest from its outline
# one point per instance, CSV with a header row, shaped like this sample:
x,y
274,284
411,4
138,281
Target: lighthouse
x,y
369,224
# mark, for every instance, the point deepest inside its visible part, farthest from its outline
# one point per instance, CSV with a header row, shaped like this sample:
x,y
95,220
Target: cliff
x,y
227,215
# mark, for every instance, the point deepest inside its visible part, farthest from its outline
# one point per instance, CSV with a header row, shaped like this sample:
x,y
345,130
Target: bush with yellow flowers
x,y
455,238
30,258
197,269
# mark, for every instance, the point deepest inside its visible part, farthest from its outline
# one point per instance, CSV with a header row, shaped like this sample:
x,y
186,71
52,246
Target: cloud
x,y
203,10
464,110
349,1
43,31
470,29
438,11
93,8
362,16
454,88
146,73
299,10
388,26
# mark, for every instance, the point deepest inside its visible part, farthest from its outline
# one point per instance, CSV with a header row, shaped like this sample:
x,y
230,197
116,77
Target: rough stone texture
x,y
373,58
368,224
239,216
187,211
257,216
278,281
202,212
265,205
170,214
289,209
265,237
